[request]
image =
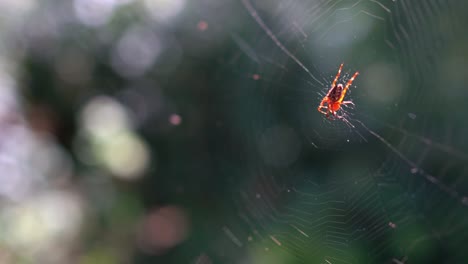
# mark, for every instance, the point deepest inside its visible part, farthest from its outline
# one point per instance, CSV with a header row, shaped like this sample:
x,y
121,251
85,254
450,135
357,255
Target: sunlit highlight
x,y
136,51
124,154
94,12
164,10
104,116
41,221
107,128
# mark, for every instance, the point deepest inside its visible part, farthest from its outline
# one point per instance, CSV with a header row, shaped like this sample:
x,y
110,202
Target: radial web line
x,y
424,140
278,43
429,177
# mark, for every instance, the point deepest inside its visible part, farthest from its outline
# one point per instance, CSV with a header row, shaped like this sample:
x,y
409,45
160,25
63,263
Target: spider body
x,y
335,97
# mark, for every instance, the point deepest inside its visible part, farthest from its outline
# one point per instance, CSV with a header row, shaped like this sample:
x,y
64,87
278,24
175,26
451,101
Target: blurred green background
x,y
187,131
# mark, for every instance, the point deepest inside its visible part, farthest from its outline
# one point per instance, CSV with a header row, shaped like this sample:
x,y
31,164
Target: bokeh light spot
x,y
104,116
202,25
175,119
94,12
109,140
164,10
163,229
125,155
43,220
136,52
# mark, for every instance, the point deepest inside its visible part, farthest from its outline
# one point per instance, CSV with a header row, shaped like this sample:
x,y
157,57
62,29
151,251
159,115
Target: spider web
x,y
390,186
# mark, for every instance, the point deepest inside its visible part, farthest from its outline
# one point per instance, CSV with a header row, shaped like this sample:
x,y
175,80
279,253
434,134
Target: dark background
x,y
157,131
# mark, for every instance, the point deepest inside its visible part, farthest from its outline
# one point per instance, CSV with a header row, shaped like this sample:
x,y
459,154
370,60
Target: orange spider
x,y
335,96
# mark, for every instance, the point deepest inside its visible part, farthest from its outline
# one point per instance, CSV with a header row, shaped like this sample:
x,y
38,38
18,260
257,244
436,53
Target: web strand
x,y
262,24
415,167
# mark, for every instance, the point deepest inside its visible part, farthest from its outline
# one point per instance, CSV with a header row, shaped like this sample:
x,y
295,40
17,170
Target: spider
x,y
335,96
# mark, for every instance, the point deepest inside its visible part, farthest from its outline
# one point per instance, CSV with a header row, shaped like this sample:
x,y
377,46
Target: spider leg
x,y
329,111
323,106
346,103
321,111
337,75
348,84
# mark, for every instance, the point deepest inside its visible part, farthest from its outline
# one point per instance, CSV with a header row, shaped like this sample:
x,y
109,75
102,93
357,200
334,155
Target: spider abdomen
x,y
335,93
